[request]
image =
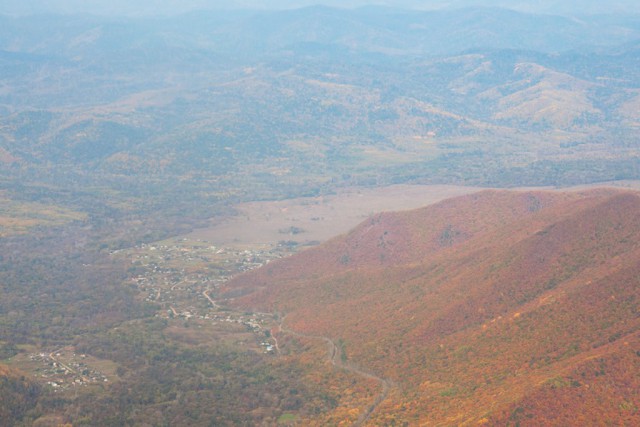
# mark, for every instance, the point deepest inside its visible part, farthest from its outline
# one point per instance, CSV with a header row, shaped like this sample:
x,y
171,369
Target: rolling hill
x,y
241,105
485,309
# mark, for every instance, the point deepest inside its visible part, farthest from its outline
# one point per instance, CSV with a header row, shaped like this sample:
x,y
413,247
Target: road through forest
x,y
335,357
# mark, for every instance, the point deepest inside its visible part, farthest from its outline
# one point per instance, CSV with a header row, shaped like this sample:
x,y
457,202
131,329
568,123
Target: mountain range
x,y
125,130
321,96
164,7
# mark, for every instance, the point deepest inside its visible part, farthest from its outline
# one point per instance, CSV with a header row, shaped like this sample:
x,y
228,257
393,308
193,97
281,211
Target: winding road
x,y
335,357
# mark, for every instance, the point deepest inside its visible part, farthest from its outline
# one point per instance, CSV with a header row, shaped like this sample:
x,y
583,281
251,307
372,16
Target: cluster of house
x,y
63,369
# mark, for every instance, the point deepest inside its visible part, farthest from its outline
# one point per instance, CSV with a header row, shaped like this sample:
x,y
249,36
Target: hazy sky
x,y
167,7
172,7
148,7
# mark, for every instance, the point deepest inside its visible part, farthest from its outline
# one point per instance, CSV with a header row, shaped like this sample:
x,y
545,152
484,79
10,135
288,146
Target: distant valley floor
x,y
312,220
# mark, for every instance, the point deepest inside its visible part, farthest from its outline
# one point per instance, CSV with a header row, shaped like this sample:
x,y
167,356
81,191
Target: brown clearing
x,y
319,218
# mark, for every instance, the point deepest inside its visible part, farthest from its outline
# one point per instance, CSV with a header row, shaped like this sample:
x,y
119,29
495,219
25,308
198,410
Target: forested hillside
x,y
147,159
497,307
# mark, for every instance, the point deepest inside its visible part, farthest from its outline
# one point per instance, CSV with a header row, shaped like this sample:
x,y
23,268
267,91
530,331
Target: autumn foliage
x,y
18,394
498,308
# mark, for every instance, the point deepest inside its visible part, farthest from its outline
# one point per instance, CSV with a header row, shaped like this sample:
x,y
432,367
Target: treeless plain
x,y
312,220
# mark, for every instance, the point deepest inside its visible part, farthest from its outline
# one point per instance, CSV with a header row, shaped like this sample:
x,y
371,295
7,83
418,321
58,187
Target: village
x,y
181,278
64,368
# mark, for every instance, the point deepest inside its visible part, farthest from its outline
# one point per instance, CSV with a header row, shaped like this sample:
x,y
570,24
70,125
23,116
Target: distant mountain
x,y
165,7
375,29
497,309
304,101
568,8
490,308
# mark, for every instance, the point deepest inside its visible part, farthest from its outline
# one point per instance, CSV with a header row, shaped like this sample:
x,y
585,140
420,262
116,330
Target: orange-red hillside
x,y
396,238
497,308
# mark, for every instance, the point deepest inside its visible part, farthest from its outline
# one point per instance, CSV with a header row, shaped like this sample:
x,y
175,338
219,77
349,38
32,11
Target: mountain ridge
x,y
504,312
328,92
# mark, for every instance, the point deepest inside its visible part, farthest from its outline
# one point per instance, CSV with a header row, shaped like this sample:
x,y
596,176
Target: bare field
x,y
17,217
310,220
233,335
315,219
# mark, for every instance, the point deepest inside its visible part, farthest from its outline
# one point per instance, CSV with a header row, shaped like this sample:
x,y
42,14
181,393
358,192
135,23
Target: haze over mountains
x,y
126,127
164,7
373,95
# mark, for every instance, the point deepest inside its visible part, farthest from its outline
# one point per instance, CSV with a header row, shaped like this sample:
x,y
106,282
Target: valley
x,y
184,284
319,215
307,221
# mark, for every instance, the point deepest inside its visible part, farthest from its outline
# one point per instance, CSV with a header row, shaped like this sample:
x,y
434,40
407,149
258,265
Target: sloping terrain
x,y
19,395
489,308
117,132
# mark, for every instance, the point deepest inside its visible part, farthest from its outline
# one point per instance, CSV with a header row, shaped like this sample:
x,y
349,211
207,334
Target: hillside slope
x,y
18,393
490,308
